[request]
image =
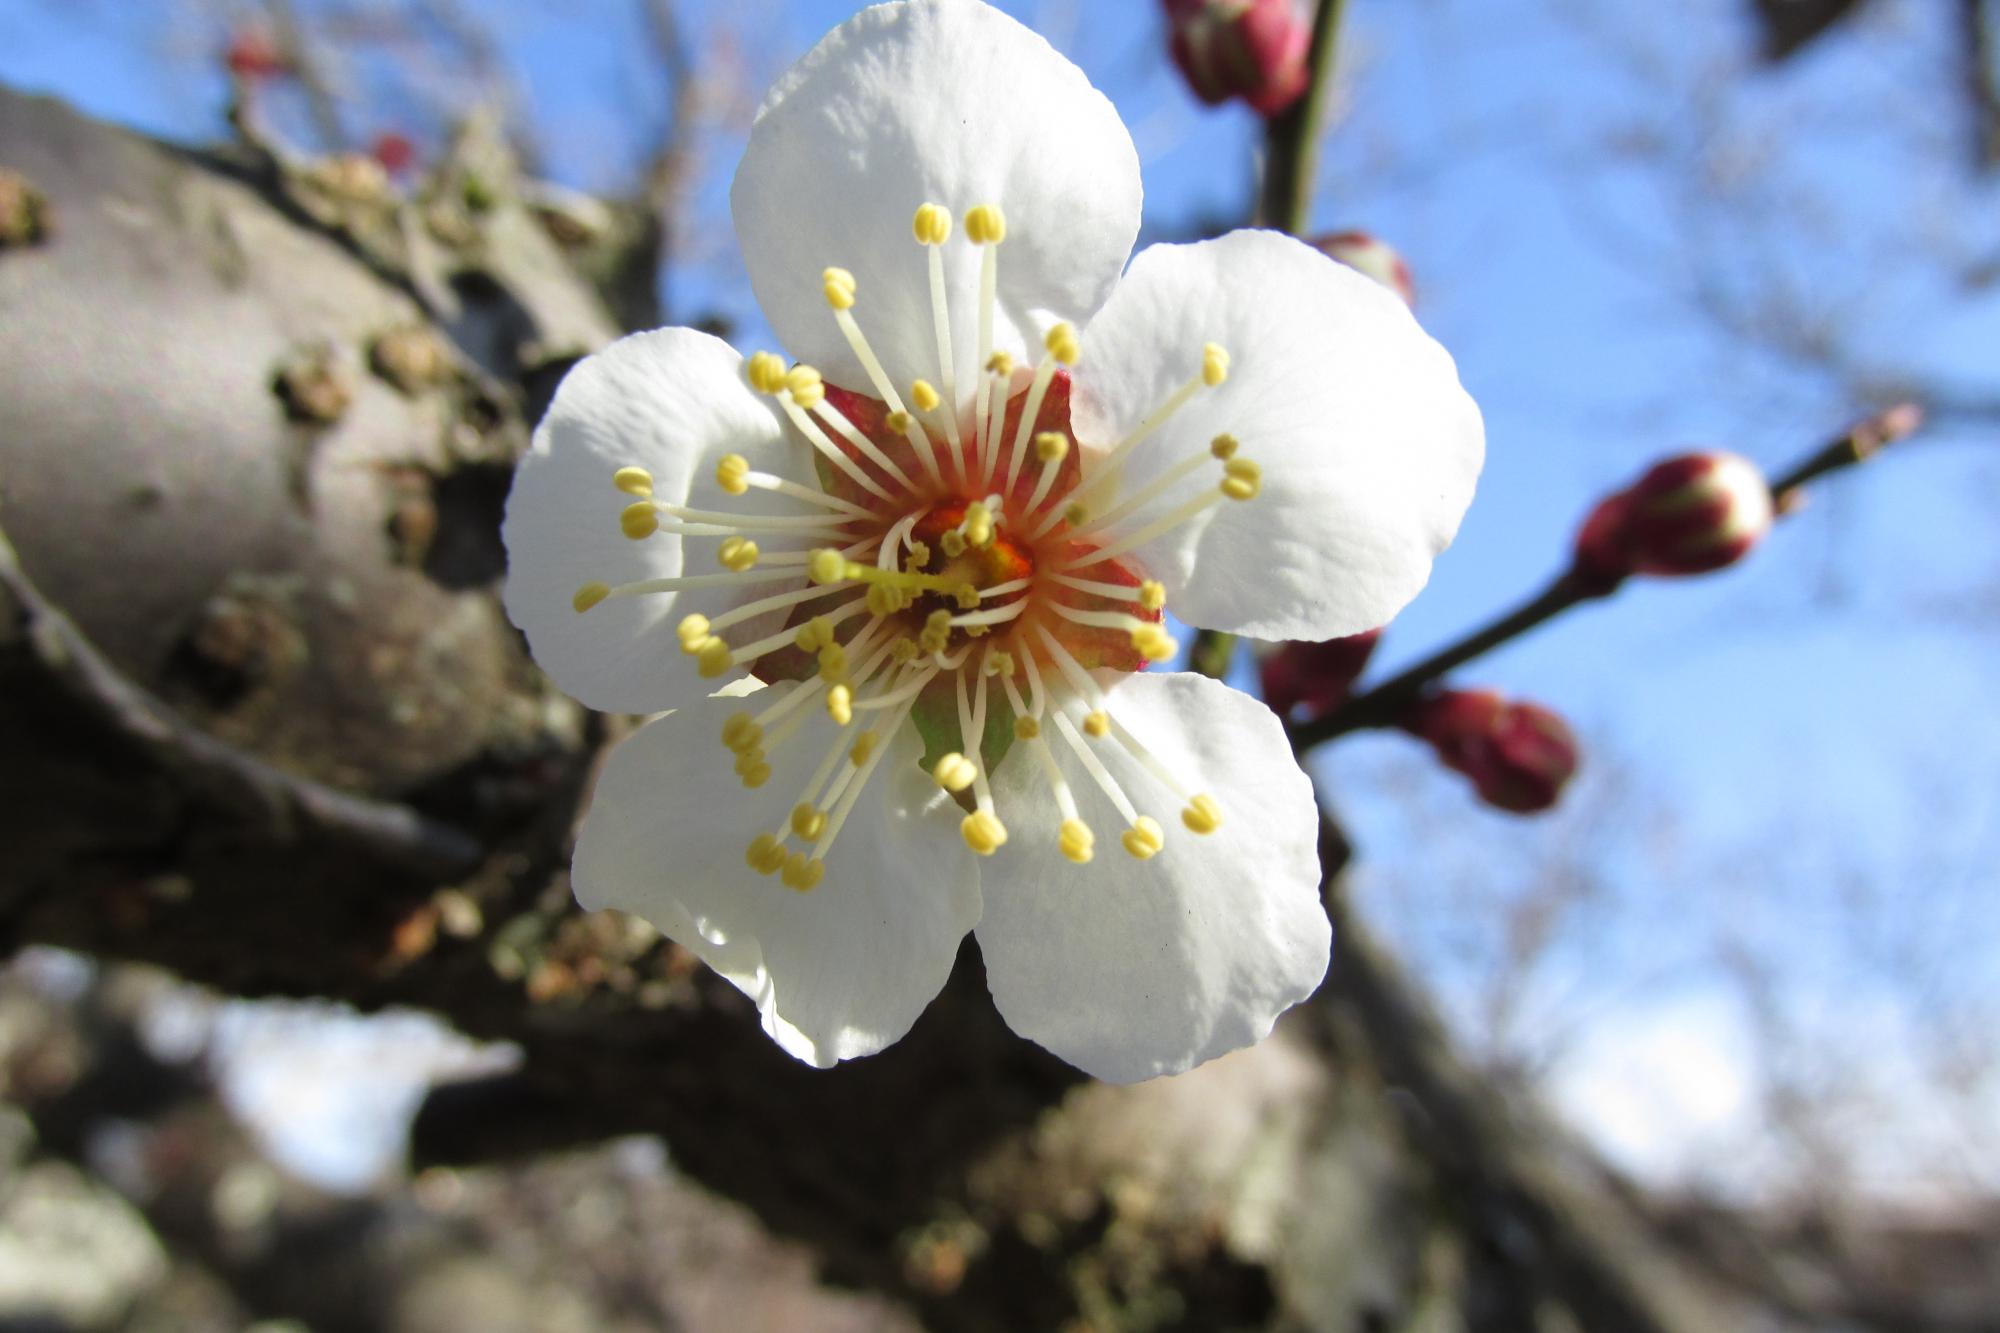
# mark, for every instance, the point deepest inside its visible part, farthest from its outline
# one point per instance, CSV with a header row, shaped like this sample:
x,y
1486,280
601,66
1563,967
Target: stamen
x,y
1147,636
985,227
1050,447
834,453
765,481
1063,349
590,594
775,602
750,652
833,416
1073,837
634,481
982,830
998,615
1192,463
855,788
738,554
1242,482
741,522
954,772
1149,594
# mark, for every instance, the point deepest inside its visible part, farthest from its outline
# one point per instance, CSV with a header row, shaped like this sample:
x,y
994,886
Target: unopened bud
x,y
1372,258
1689,515
1315,677
394,151
1519,755
1252,49
253,53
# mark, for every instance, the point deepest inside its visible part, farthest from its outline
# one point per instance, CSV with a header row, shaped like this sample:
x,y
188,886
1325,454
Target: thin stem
x,y
1291,139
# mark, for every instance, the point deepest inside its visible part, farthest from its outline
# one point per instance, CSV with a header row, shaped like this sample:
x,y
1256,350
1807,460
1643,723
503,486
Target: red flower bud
x,y
1374,258
1519,755
1252,49
394,151
254,54
1315,676
1688,515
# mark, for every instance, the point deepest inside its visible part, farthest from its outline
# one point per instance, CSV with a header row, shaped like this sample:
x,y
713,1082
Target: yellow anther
x,y
693,633
839,707
1152,595
756,774
924,396
953,542
1097,725
939,619
712,659
1153,643
1223,447
826,566
985,224
741,733
1051,445
934,640
864,745
1026,728
731,474
954,772
1000,664
932,224
1063,344
899,422
737,554
983,832
639,520
589,595
883,600
766,855
633,481
1202,815
966,595
814,635
920,555
1214,364
977,631
1076,515
807,822
806,386
1242,479
803,873
838,284
1076,840
979,524
767,372
1144,839
833,663
903,650
1000,364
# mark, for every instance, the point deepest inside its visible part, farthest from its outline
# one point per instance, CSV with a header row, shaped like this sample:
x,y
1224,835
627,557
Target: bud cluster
x,y
1255,50
1314,678
1519,755
1688,515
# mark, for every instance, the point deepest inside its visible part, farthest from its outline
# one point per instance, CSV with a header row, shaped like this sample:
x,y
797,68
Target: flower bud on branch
x,y
1314,677
1252,49
1519,755
1688,515
1371,257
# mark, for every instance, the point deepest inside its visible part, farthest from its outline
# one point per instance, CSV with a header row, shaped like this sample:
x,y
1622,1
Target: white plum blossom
x,y
926,562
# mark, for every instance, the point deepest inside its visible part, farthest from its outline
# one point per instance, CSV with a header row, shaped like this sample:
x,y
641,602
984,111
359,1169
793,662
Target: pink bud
x,y
1689,515
254,54
394,151
1519,755
1252,49
1373,258
1315,676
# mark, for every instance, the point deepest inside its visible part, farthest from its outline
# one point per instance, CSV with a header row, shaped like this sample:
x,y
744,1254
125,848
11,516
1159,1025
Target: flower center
x,y
955,567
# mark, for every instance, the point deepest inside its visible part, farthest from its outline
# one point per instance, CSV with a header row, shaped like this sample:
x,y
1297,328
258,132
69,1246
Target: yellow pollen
x,y
806,386
633,481
712,658
755,774
737,554
864,746
732,472
900,422
985,224
954,772
1243,479
833,663
839,707
924,396
693,633
741,732
977,631
1152,595
920,555
826,566
1076,515
933,640
884,600
1001,664
589,595
979,524
1026,728
807,822
814,635
966,595
766,855
1097,725
1000,364
1153,643
1051,446
1076,840
1144,839
904,649
1223,447
767,372
1214,364
953,542
982,830
838,284
1063,345
639,520
932,225
1202,815
802,873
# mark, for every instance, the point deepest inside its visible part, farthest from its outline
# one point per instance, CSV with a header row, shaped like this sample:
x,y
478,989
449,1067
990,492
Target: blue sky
x,y
1793,761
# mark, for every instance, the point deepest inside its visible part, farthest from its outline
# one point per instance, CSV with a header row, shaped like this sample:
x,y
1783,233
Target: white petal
x,y
673,402
932,101
838,972
1368,444
1127,968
